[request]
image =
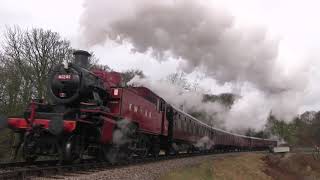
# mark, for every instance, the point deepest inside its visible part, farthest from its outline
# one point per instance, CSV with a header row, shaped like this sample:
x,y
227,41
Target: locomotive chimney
x,y
81,58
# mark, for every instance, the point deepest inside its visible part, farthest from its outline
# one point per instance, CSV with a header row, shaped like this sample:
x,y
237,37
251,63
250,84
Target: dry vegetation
x,y
251,167
5,144
239,167
293,167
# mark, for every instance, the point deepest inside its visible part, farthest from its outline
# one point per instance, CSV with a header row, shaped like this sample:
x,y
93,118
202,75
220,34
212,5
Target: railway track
x,y
9,165
24,171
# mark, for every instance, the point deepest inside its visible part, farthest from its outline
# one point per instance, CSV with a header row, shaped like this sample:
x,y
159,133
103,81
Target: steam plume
x,y
204,38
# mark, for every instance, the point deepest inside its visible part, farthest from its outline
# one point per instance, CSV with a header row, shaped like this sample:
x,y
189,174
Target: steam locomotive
x,y
90,113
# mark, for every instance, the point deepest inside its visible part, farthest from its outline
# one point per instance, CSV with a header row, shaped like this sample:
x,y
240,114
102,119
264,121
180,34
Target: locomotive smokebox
x,y
81,58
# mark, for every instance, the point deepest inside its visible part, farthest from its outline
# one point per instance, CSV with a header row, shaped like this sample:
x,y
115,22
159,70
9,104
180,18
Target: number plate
x,y
64,77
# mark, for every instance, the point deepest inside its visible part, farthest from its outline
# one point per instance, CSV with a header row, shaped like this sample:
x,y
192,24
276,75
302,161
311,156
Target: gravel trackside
x,y
148,171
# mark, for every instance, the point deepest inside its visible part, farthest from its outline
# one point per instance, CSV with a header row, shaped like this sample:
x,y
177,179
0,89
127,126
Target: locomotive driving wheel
x,y
155,150
29,149
111,153
114,153
142,145
28,157
73,149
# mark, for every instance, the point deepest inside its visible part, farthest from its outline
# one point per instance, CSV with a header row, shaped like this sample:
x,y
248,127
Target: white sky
x,y
294,22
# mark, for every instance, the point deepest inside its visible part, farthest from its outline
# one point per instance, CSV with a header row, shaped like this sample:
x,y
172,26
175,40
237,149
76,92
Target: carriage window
x,y
130,107
163,106
185,126
197,130
182,125
158,105
192,127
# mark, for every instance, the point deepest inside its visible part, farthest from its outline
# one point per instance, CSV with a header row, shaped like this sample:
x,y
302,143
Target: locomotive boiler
x,y
72,83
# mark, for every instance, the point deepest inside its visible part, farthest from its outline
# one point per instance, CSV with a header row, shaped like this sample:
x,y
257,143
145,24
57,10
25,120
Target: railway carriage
x,y
91,113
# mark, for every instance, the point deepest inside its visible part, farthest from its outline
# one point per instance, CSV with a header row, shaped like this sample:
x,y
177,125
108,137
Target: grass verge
x,y
241,167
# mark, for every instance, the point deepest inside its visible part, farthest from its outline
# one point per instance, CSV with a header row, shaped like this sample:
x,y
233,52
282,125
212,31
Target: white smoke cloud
x,y
204,37
254,107
204,143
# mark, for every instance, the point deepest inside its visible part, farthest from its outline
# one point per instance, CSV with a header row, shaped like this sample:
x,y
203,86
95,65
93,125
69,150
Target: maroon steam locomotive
x,y
91,113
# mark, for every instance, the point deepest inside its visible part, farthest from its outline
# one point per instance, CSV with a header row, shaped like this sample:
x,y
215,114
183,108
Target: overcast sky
x,y
295,23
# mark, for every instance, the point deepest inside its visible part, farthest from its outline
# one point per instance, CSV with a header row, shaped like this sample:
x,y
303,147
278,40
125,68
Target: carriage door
x,y
164,124
169,120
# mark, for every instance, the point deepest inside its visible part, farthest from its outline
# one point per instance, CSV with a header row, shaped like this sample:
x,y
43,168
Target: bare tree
x,y
128,75
101,67
33,53
179,79
14,88
26,58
